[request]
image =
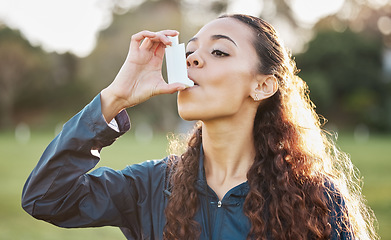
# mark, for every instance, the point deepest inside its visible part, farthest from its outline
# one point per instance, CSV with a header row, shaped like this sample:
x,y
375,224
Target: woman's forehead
x,y
227,26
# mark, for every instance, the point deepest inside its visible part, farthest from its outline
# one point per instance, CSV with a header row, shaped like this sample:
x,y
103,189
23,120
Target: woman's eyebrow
x,y
194,39
219,36
215,37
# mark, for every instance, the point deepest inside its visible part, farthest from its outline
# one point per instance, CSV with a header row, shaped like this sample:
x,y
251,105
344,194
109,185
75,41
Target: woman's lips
x,y
195,83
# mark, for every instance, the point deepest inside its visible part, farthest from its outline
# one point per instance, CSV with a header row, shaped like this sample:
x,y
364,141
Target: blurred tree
x,y
32,81
57,90
362,16
345,68
343,71
18,61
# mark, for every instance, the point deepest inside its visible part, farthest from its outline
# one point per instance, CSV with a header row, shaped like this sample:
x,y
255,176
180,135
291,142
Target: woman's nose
x,y
194,60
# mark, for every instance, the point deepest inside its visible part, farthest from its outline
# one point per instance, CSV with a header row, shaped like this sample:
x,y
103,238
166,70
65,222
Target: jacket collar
x,y
203,188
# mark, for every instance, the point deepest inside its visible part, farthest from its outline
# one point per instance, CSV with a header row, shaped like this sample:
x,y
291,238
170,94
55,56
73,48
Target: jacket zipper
x,y
219,203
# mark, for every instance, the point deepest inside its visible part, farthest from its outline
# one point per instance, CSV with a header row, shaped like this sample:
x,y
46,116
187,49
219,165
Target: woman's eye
x,y
188,53
219,53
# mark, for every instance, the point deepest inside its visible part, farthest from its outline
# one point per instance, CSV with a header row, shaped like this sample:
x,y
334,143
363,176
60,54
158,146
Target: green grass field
x,y
373,158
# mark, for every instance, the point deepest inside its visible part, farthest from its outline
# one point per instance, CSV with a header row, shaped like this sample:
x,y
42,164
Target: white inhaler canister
x,y
176,63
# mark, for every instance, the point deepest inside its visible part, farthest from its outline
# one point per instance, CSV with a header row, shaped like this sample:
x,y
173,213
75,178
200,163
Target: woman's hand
x,y
140,77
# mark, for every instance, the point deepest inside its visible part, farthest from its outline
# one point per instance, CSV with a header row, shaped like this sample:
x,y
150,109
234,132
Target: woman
x,y
257,166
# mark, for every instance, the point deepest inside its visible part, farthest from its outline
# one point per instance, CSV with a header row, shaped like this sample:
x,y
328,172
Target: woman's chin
x,y
187,115
186,109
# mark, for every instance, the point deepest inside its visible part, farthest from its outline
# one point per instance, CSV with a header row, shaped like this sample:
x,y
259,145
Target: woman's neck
x,y
229,152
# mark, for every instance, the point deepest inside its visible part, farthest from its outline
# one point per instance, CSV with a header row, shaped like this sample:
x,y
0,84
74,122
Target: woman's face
x,y
222,63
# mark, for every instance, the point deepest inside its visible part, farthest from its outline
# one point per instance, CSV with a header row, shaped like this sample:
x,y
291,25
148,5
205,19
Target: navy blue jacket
x,y
62,191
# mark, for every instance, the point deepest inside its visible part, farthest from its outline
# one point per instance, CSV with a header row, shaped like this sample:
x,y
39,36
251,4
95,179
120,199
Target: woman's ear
x,y
266,86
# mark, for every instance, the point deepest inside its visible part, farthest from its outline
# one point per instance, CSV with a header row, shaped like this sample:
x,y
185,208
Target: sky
x,y
73,25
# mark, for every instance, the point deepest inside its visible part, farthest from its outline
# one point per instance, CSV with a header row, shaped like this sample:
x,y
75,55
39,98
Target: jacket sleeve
x,y
60,191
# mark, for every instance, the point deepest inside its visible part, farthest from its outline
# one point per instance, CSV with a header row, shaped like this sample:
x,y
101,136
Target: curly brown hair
x,y
294,161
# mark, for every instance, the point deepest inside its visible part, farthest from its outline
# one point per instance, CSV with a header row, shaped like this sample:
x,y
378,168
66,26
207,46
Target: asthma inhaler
x,y
176,63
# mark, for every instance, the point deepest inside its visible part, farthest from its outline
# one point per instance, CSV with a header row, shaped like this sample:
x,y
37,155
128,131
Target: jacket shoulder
x,y
150,167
